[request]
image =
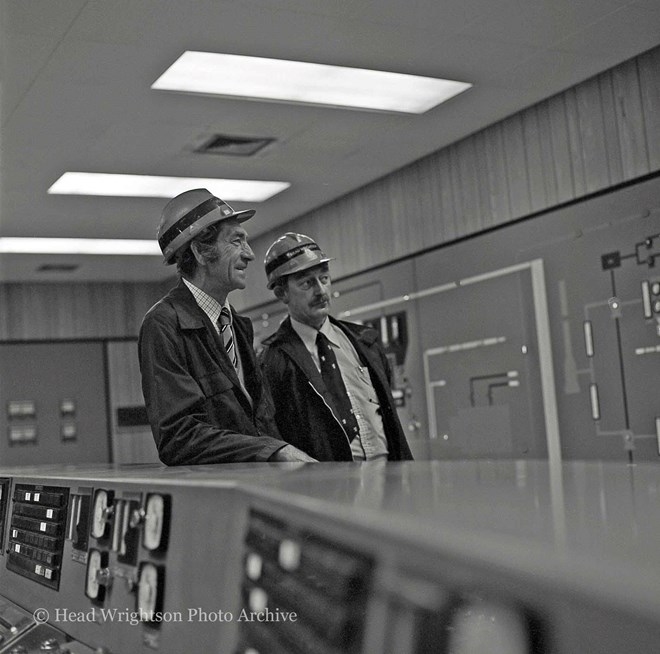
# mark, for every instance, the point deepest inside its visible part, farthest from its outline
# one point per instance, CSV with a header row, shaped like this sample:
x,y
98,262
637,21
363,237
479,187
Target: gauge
x,y
97,562
101,513
151,580
156,522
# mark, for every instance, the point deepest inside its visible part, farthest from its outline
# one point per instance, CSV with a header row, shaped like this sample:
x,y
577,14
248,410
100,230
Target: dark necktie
x,y
227,337
335,384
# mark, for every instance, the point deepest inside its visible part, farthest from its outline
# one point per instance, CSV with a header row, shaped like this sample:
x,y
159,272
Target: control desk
x,y
496,557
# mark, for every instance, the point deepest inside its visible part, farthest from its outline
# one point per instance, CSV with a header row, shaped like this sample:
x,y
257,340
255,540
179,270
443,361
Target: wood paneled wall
x,y
129,444
593,136
74,311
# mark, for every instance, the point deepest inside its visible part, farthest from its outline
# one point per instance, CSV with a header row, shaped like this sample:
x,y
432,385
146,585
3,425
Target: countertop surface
x,y
596,525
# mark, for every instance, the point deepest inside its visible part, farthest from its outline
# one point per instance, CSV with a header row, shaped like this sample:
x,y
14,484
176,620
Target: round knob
x,y
103,576
137,517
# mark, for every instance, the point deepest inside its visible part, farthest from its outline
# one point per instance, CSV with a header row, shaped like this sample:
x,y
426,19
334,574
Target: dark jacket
x,y
196,406
302,402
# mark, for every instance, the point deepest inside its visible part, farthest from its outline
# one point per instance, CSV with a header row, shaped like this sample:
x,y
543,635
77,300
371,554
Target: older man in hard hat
x,y
204,392
330,379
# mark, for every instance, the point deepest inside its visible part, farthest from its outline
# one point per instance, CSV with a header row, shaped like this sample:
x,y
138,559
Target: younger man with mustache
x,y
330,379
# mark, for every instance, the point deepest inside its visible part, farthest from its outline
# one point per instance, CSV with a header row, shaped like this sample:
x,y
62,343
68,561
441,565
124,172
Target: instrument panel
x,y
406,558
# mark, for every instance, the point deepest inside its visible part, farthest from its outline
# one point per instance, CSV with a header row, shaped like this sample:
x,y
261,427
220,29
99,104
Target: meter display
x,y
101,513
151,581
156,522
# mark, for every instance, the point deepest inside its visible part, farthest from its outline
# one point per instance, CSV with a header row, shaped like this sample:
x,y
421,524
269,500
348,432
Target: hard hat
x,y
188,214
292,253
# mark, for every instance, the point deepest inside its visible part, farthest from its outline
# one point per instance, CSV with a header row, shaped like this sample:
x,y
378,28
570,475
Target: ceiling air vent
x,y
58,267
238,146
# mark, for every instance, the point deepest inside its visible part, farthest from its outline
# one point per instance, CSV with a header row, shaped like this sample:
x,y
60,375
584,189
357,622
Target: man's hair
x,y
207,242
279,286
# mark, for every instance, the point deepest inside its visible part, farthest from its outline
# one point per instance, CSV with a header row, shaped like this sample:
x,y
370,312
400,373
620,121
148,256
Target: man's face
x,y
307,295
228,271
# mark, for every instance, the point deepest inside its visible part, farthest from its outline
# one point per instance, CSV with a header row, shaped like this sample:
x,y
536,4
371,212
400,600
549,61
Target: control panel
x,y
37,532
319,587
477,557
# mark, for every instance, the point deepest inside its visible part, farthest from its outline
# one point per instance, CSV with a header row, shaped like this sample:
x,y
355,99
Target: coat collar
x,y
189,313
185,306
360,333
287,338
361,336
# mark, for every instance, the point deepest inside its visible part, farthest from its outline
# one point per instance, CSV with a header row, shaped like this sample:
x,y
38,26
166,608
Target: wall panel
x,y
630,119
72,311
496,176
649,65
130,443
64,386
592,144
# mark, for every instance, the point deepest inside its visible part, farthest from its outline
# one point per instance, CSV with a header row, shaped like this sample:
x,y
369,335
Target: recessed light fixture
x,y
121,246
111,184
296,81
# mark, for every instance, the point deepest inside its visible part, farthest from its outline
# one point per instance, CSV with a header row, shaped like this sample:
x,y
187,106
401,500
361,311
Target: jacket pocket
x,y
215,383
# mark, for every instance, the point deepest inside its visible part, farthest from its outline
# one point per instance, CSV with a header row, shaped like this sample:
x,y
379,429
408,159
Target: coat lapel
x,y
362,343
244,344
191,316
293,346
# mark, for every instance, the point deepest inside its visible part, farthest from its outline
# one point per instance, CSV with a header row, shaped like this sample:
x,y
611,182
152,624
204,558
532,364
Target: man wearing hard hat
x,y
330,379
203,389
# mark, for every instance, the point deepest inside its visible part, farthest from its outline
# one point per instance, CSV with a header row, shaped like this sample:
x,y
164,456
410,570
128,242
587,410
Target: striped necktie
x,y
227,336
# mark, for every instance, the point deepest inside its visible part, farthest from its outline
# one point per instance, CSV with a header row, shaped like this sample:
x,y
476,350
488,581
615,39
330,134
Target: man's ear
x,y
194,248
282,292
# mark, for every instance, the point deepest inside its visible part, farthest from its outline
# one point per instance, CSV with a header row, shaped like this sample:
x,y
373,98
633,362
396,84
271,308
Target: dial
x,y
150,592
96,562
156,522
101,513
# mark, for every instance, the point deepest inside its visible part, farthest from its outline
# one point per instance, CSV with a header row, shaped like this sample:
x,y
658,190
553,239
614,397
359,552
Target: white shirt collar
x,y
308,334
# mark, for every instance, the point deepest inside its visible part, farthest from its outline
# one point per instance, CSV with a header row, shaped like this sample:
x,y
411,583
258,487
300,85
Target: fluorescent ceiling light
x,y
295,81
121,246
230,190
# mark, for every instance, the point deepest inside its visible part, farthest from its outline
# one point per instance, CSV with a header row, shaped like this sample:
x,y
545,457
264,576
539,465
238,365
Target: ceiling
x,y
75,96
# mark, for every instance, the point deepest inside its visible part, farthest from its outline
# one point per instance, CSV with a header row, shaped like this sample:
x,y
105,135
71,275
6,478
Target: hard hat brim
x,y
299,268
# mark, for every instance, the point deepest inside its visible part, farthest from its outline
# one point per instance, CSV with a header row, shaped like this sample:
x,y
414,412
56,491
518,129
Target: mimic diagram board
x,y
607,324
475,381
482,373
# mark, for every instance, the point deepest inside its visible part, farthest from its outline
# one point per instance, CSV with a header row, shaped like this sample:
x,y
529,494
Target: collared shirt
x,y
371,443
212,308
